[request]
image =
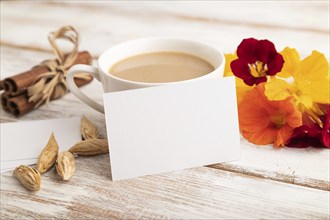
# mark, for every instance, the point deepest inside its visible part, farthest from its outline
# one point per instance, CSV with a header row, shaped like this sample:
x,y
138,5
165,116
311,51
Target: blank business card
x,y
166,128
22,142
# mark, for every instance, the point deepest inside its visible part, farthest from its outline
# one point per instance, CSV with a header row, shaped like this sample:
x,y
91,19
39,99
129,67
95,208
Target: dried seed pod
x,y
90,147
65,165
88,129
48,155
29,177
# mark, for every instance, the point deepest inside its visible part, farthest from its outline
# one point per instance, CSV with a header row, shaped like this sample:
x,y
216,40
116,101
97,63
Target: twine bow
x,y
52,84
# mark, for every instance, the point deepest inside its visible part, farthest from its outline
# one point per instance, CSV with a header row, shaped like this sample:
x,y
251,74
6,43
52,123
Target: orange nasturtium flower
x,y
241,87
264,122
307,81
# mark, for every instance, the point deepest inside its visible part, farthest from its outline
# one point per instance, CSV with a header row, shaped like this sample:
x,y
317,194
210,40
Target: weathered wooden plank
x,y
194,193
199,193
307,167
294,15
105,24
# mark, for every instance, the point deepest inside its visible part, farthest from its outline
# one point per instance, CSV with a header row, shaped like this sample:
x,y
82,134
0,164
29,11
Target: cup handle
x,y
76,91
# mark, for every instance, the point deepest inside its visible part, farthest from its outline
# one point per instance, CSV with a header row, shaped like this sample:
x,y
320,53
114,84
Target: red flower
x,y
311,134
256,60
326,129
305,136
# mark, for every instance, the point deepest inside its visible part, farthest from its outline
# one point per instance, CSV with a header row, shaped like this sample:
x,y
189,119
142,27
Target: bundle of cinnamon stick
x,y
14,98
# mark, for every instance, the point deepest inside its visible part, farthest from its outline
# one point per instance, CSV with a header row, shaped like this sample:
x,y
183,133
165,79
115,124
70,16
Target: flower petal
x,y
255,80
262,50
326,130
241,89
295,119
305,136
260,115
306,100
250,82
253,123
312,78
241,69
302,140
314,67
282,136
262,137
229,58
275,63
260,80
291,60
256,114
245,50
277,89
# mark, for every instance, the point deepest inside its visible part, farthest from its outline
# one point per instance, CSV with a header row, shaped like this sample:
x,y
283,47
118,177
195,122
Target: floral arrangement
x,y
282,99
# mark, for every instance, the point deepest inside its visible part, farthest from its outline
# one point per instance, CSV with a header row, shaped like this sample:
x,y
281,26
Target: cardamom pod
x,y
48,155
65,165
88,130
90,147
29,177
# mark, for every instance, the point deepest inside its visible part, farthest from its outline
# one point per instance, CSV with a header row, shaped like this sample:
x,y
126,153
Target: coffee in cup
x,y
149,62
161,67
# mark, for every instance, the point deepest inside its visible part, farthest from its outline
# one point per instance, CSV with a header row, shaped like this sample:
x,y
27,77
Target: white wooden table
x,y
266,183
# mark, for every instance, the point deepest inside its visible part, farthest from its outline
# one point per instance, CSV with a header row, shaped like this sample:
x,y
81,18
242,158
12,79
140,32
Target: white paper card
x,y
166,128
22,142
5,165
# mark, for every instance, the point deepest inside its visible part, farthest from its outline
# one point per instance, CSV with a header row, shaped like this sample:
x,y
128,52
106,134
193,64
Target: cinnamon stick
x,y
15,99
20,82
4,101
19,105
1,85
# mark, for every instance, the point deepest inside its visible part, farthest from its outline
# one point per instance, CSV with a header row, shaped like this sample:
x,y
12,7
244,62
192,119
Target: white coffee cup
x,y
121,51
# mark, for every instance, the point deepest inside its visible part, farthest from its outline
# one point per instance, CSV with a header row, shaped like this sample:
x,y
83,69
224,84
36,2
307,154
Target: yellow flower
x,y
229,57
291,60
307,81
241,87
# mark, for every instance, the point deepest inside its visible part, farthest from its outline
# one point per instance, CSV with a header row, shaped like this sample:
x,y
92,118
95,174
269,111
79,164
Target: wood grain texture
x,y
198,193
222,24
277,164
255,13
290,165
